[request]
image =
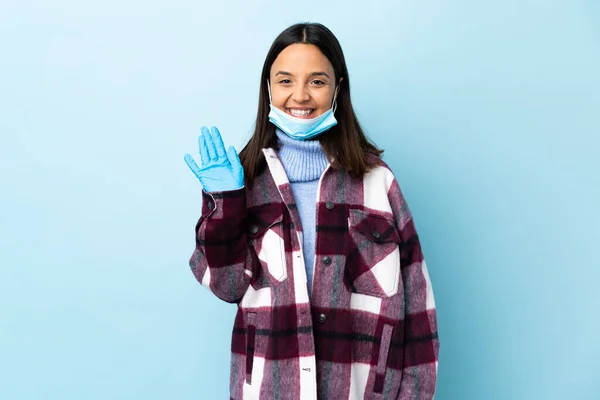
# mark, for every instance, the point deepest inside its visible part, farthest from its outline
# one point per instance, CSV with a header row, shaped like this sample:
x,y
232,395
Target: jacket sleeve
x,y
221,260
421,343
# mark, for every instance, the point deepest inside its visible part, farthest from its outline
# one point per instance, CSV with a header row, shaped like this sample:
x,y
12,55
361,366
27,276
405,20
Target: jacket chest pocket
x,y
373,263
265,230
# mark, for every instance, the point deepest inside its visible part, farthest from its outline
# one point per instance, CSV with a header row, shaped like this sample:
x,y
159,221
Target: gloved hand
x,y
220,171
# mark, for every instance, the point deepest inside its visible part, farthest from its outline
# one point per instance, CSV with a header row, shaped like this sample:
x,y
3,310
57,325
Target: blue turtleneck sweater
x,y
304,163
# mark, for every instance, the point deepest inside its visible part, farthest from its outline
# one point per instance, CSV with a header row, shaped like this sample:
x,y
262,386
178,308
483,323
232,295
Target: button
x,y
329,205
326,260
253,229
376,235
322,318
210,205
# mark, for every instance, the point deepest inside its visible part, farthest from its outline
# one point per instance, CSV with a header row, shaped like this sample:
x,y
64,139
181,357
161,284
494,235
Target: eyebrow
x,y
316,73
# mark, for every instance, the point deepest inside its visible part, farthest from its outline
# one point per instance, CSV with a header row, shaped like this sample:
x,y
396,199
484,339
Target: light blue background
x,y
489,112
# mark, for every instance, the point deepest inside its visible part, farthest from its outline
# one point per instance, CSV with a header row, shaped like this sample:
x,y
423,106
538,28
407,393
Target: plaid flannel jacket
x,y
369,331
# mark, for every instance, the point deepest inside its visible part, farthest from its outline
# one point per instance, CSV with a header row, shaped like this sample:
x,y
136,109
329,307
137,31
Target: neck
x,y
303,160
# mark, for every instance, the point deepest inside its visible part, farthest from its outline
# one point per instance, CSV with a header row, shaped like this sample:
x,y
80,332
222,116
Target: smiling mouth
x,y
301,112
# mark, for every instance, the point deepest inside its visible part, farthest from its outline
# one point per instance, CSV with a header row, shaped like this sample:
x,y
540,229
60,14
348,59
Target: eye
x,y
285,81
318,82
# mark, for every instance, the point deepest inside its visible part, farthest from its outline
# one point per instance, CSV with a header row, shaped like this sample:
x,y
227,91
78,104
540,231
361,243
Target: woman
x,y
308,233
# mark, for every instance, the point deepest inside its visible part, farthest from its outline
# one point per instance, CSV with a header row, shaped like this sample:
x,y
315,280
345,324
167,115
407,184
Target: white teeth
x,y
300,113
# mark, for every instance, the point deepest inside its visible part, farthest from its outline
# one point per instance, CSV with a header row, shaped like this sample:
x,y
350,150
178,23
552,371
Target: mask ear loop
x,y
334,106
269,91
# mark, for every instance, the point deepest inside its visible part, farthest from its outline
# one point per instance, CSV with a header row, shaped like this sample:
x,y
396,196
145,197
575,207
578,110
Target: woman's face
x,y
302,81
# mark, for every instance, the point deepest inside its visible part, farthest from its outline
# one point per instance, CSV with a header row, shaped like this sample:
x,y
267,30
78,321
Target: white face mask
x,y
301,128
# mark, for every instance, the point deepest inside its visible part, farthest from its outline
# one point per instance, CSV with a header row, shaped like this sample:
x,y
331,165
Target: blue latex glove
x,y
220,170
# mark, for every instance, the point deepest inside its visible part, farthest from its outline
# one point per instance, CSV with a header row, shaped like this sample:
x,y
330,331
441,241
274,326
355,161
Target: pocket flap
x,y
261,218
377,228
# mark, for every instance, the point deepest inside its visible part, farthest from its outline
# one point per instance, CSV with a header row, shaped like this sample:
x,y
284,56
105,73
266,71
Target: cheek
x,y
278,99
279,103
325,102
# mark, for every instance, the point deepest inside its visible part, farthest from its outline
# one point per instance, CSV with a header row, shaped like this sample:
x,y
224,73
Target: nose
x,y
300,94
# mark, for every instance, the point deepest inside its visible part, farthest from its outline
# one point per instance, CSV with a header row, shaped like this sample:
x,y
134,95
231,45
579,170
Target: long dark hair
x,y
345,143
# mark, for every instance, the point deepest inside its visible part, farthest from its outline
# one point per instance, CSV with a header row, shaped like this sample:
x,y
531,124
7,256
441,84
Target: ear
x,y
339,85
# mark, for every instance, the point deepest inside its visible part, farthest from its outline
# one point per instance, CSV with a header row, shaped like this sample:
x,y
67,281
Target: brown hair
x,y
345,143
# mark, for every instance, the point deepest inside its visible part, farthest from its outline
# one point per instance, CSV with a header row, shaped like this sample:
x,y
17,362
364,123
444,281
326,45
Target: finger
x,y
189,160
210,144
204,157
218,141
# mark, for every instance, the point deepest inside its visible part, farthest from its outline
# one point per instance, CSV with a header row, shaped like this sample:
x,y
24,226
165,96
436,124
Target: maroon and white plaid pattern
x,y
368,332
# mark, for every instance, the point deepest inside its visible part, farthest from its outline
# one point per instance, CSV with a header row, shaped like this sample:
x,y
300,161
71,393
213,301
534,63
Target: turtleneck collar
x,y
303,160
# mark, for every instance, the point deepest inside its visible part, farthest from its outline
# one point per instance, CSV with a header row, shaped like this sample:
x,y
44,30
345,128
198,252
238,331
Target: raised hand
x,y
220,170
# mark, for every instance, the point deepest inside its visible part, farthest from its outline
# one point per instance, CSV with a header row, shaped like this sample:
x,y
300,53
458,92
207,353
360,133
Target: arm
x,y
221,260
421,343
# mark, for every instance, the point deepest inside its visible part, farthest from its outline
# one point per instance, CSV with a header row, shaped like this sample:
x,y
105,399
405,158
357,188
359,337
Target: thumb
x,y
234,159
